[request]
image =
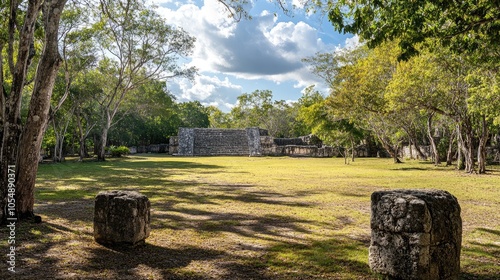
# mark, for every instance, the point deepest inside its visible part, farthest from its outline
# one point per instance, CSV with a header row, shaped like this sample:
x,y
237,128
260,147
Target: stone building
x,y
244,142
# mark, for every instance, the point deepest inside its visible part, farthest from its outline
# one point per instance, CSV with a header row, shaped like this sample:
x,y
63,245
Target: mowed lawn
x,y
241,218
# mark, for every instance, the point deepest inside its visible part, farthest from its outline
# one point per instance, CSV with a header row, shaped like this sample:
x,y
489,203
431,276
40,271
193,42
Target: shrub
x,y
119,151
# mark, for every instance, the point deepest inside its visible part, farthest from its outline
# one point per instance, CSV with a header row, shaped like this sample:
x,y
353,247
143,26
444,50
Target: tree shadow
x,y
38,258
335,258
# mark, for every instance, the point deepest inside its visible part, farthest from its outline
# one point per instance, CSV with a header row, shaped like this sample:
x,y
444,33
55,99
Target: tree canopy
x,y
466,26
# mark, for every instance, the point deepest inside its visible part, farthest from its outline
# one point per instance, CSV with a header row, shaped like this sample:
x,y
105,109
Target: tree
x,y
78,55
317,116
27,140
83,105
155,117
466,26
193,114
252,109
359,94
484,103
416,86
137,47
217,118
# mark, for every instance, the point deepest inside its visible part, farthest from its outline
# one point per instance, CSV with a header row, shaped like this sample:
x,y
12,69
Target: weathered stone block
x,y
254,146
121,217
416,234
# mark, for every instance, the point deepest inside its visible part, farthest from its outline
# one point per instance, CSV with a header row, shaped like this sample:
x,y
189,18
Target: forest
x,y
79,76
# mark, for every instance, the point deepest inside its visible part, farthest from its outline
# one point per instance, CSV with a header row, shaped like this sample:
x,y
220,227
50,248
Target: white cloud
x,y
252,49
264,48
209,90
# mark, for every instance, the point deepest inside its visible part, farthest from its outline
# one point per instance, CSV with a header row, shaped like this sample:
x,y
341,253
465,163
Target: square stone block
x,y
121,217
416,234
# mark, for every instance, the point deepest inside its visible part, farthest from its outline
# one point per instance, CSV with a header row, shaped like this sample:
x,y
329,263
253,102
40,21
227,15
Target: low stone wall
x,y
309,151
411,152
173,145
154,148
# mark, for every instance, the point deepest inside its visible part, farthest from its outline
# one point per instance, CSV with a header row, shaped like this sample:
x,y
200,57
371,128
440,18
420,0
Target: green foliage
x,y
118,151
193,114
257,109
398,100
466,26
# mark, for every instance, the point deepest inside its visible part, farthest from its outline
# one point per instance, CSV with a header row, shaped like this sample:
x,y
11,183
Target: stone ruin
x,y
121,218
244,142
416,234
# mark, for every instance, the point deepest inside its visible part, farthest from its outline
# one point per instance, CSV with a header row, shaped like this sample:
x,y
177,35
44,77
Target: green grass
x,y
242,218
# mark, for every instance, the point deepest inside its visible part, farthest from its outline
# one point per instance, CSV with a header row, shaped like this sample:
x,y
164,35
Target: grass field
x,y
241,218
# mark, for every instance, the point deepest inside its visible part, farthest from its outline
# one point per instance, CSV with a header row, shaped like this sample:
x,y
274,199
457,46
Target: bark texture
x,y
11,121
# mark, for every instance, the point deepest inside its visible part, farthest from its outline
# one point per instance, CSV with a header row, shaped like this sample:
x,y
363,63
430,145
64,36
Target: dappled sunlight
x,y
235,218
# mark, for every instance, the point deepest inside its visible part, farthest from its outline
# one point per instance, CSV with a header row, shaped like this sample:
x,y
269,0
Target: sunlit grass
x,y
242,218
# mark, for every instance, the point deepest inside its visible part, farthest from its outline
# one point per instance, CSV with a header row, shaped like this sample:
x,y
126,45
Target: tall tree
x,y
193,114
21,145
138,47
252,109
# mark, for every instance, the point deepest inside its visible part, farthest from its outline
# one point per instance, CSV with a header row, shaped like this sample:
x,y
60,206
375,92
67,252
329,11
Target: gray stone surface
x,y
253,136
416,234
173,145
186,141
121,217
214,142
244,142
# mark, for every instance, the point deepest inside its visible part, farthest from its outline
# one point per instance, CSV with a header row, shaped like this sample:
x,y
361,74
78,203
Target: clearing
x,y
240,218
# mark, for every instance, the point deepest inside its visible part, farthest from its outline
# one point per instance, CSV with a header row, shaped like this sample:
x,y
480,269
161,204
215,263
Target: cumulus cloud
x,y
253,49
209,90
265,47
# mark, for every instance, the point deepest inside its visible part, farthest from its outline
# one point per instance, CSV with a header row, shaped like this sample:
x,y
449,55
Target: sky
x,y
263,53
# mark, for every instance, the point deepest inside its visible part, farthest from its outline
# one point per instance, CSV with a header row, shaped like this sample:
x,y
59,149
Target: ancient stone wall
x,y
186,141
245,142
173,145
213,142
254,145
218,142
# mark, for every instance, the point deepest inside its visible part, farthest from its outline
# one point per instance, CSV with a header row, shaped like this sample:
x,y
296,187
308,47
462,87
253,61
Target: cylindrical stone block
x,y
416,234
121,217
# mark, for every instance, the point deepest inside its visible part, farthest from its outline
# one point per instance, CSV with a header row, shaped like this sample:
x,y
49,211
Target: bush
x,y
119,151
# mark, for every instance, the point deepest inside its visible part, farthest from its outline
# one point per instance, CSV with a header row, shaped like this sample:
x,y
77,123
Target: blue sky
x,y
263,53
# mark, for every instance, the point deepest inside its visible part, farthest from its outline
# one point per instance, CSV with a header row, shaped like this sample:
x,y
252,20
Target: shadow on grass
x,y
176,206
335,258
43,259
73,181
262,227
481,260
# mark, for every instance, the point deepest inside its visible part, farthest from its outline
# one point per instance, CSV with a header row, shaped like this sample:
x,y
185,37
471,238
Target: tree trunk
x,y
460,156
38,115
81,135
449,154
465,136
410,149
352,149
395,154
12,104
392,150
104,137
481,149
419,150
435,153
